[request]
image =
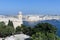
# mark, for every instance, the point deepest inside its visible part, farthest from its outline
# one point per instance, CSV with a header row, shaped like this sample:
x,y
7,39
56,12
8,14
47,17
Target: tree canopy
x,y
10,23
41,31
6,30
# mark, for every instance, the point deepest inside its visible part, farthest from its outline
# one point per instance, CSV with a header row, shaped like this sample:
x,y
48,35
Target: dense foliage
x,y
45,31
18,29
6,30
10,23
41,31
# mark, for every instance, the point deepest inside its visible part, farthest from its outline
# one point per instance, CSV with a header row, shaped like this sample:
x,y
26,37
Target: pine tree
x,y
10,23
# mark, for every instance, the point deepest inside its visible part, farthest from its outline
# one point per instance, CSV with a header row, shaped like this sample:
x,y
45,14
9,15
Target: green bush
x,y
6,30
18,29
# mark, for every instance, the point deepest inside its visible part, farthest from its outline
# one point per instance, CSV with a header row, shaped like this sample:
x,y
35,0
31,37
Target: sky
x,y
12,7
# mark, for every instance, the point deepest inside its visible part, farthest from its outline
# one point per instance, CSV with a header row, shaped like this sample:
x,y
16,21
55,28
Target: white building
x,y
18,20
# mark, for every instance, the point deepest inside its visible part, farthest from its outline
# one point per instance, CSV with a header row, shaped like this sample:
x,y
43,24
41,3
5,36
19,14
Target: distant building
x,y
18,19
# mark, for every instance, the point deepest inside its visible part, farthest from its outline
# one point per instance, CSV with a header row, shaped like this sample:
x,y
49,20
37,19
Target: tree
x,y
44,31
46,27
18,29
39,36
5,30
10,23
2,24
23,28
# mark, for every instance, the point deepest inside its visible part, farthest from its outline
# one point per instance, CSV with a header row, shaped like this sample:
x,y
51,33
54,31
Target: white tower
x,y
20,15
20,18
18,21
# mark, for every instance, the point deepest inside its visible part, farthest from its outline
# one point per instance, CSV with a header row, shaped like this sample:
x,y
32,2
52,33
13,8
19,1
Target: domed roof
x,y
20,13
